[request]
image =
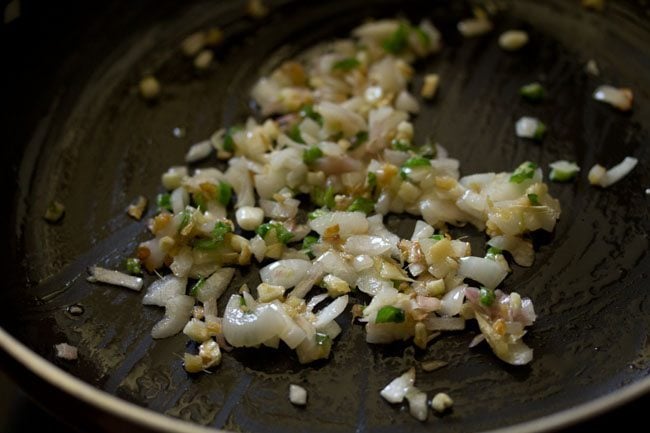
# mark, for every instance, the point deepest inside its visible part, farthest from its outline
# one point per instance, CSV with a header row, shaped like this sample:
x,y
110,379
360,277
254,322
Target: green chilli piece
x,y
281,231
307,111
200,201
372,179
316,214
133,266
194,291
164,201
422,35
225,193
228,142
308,242
185,219
437,237
323,197
397,41
533,199
346,65
525,171
220,229
323,339
492,253
401,145
411,163
362,204
533,92
390,314
311,154
486,296
294,134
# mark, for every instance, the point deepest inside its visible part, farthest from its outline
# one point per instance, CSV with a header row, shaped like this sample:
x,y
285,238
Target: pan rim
x,y
143,417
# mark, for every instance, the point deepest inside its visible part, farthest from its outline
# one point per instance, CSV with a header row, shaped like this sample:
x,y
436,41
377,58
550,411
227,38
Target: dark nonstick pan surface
x,y
76,130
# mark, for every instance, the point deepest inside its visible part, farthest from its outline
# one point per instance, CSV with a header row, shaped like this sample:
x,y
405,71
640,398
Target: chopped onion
x,y
286,273
199,151
349,223
365,244
116,278
66,351
396,390
529,127
253,327
331,312
297,395
162,290
598,175
452,302
619,98
418,407
178,311
215,285
513,40
486,271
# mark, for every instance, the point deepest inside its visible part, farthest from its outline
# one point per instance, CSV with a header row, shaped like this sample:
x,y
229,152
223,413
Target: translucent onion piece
x,y
287,273
161,291
486,271
116,278
250,328
396,390
331,312
178,311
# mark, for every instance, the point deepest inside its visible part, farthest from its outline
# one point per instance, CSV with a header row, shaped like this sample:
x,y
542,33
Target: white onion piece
x,y
66,351
396,390
297,395
476,340
350,223
178,311
336,265
313,275
331,312
521,249
280,211
474,27
364,244
513,352
452,302
362,262
486,271
116,278
199,151
286,273
161,291
619,98
526,127
250,328
371,283
215,285
418,407
444,323
258,247
598,175
376,227
156,256
316,300
182,263
292,334
406,102
179,199
421,230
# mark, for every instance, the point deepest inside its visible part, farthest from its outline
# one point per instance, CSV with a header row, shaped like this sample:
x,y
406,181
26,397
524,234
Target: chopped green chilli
x,y
397,41
523,172
390,314
346,64
164,201
225,193
311,154
533,92
534,199
362,204
133,266
486,296
563,171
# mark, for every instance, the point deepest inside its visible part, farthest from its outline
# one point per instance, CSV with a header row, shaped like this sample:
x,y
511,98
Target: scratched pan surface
x,y
77,131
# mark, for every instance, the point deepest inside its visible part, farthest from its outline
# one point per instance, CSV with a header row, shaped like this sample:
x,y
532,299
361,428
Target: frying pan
x,y
76,131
